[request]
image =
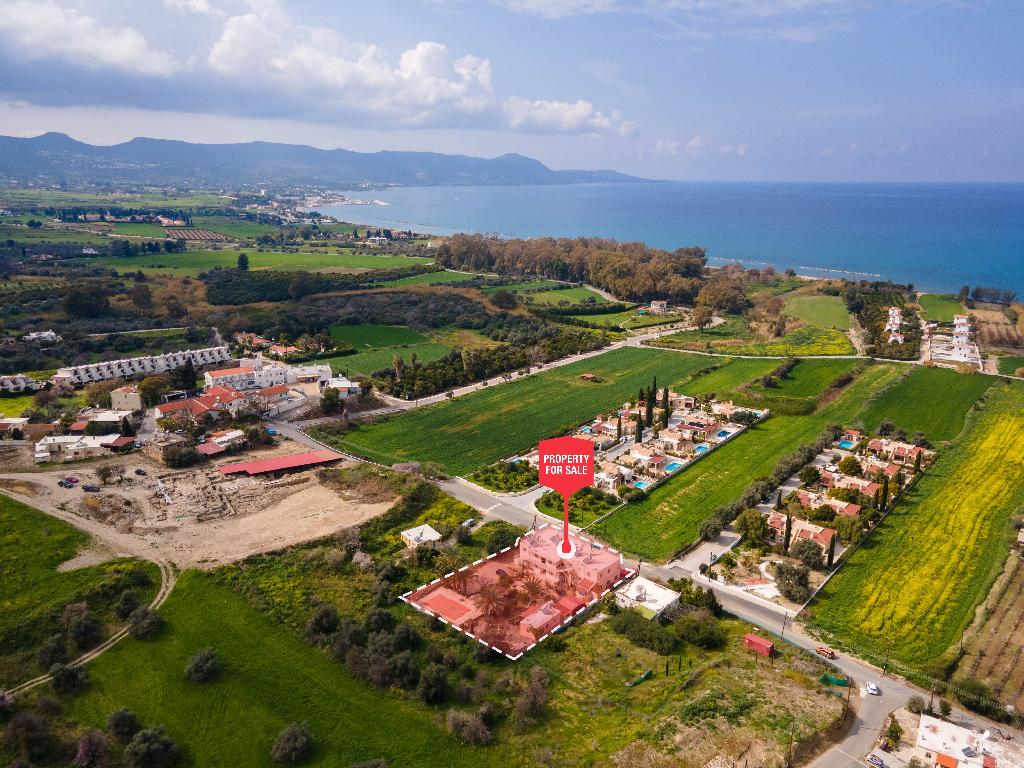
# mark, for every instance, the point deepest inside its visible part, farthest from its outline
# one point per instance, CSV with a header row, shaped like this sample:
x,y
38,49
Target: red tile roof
x,y
294,461
230,372
208,449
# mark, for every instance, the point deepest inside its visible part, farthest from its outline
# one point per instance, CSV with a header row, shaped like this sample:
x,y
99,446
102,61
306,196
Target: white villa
x,y
80,375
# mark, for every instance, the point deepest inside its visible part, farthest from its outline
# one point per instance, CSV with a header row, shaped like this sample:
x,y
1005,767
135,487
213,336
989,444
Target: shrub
x,y
792,582
28,734
123,724
915,705
406,637
151,748
52,651
433,687
321,624
126,604
700,628
468,728
85,632
68,679
203,667
642,632
92,750
293,744
145,623
377,619
6,705
533,701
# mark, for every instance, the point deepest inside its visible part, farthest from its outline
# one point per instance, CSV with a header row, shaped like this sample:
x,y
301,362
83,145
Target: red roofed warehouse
x,y
282,463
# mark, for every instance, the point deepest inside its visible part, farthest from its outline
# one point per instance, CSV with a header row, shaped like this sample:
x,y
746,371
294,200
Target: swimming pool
x,y
701,449
673,466
724,433
587,431
847,445
640,484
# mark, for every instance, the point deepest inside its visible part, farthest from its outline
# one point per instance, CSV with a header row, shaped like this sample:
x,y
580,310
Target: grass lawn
x,y
14,405
930,400
526,285
735,338
940,308
917,579
573,295
1010,364
33,592
270,678
668,518
376,336
478,429
819,310
371,360
193,262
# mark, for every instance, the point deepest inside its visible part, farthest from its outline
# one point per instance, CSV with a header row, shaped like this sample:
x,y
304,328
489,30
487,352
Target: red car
x,y
71,479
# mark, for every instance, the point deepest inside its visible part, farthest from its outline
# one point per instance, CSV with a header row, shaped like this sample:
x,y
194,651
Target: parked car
x,y
90,488
64,484
71,479
876,761
468,523
271,431
872,689
140,472
825,652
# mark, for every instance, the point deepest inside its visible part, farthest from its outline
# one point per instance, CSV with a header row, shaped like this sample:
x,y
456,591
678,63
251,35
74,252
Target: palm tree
x,y
534,588
490,599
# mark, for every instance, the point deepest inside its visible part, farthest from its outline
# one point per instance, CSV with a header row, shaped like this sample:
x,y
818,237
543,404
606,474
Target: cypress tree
x,y
664,407
789,533
618,428
885,493
917,463
831,551
639,427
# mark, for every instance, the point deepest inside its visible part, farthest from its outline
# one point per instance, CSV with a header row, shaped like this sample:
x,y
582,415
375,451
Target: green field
x,y
930,400
913,586
433,278
33,592
270,678
668,518
376,336
232,226
939,308
135,229
628,319
15,405
46,198
49,235
572,295
819,310
733,337
193,262
365,363
809,378
481,428
1010,364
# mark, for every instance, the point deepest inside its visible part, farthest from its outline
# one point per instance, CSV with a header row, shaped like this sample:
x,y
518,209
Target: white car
x,y
872,689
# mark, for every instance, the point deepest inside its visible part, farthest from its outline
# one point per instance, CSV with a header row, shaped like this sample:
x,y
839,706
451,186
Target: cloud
x,y
559,9
666,147
735,150
696,145
258,61
191,6
562,117
41,29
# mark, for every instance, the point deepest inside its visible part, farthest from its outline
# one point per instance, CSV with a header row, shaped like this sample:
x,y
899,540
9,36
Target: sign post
x,y
566,465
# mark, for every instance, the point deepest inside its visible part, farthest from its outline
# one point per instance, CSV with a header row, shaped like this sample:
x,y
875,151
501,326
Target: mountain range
x,y
58,158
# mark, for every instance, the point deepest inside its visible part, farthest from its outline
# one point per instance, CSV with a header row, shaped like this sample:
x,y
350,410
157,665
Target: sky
x,y
730,90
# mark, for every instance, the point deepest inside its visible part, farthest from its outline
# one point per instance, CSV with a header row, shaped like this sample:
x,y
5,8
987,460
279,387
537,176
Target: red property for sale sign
x,y
566,465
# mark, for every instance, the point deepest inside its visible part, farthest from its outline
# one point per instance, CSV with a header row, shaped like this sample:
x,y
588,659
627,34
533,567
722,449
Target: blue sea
x,y
936,236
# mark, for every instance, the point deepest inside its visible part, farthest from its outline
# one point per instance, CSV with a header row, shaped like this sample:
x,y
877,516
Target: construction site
x,y
200,516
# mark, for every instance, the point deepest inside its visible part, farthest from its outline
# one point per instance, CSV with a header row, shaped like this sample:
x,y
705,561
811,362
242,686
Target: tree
x,y
126,604
710,529
468,728
666,412
700,628
850,466
183,377
144,623
917,462
533,701
243,262
792,582
885,494
66,679
142,297
830,560
293,744
788,535
433,686
203,667
123,724
639,427
702,317
151,748
807,552
152,387
322,624
809,475
618,428
28,734
85,631
92,750
752,526
330,400
504,299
